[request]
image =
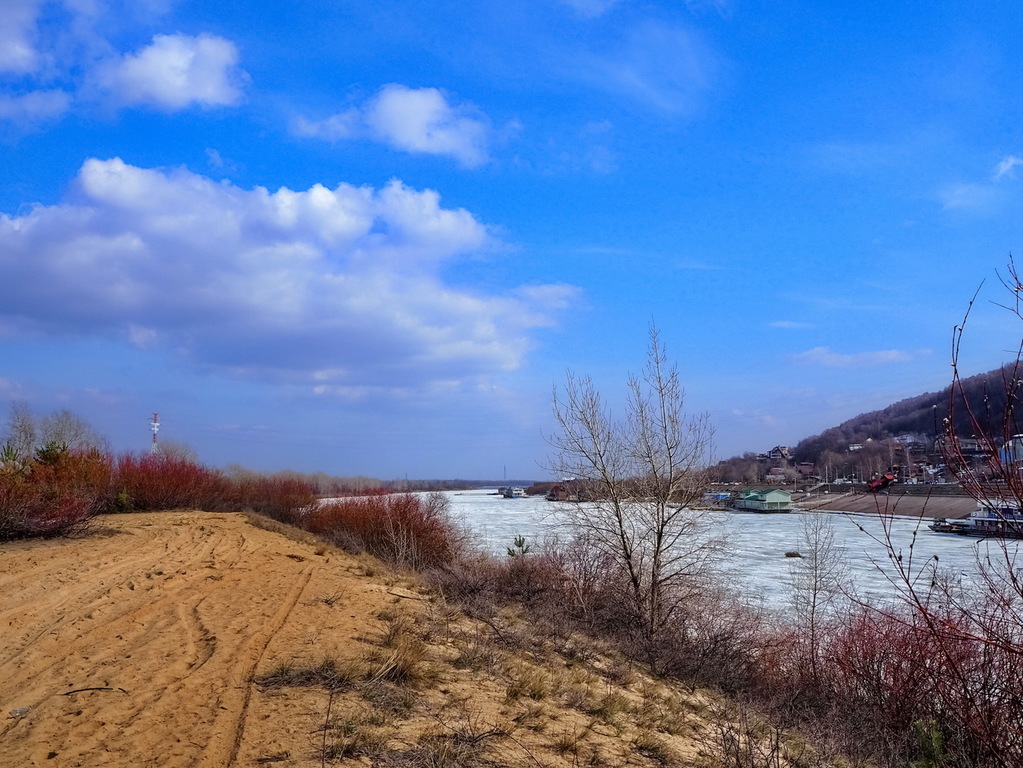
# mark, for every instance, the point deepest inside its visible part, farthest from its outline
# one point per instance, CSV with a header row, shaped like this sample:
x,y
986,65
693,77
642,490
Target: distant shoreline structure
x,y
901,505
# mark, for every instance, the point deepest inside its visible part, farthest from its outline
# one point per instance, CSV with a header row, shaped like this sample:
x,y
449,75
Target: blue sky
x,y
368,237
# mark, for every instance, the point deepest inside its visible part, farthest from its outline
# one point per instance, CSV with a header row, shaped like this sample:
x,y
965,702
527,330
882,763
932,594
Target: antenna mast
x,y
155,426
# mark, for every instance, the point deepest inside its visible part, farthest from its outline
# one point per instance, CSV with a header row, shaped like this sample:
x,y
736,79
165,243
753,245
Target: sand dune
x,y
137,645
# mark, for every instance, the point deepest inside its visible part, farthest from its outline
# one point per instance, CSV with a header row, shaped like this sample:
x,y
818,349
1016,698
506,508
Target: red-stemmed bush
x,y
412,530
56,493
153,481
281,498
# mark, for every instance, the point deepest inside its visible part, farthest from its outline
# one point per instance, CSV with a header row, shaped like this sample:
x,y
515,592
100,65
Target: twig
x,y
80,690
525,749
326,725
408,597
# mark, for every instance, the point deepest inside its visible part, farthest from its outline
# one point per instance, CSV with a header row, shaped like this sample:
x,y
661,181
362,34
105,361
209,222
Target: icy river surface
x,y
755,545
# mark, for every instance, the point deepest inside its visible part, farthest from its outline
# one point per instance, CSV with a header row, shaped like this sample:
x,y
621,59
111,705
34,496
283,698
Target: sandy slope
x,y
137,645
149,642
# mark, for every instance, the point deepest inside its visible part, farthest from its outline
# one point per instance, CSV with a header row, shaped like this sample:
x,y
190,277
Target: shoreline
x,y
898,505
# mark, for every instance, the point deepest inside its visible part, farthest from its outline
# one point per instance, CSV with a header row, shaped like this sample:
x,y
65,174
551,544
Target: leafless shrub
x,y
476,651
739,738
577,696
967,644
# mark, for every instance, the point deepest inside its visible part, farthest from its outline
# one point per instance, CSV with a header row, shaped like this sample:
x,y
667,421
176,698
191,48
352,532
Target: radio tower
x,y
155,426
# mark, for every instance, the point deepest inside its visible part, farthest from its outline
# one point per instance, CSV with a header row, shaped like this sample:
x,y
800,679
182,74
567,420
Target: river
x,y
755,544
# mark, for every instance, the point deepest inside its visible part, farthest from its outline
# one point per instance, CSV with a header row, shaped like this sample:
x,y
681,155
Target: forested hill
x,y
922,416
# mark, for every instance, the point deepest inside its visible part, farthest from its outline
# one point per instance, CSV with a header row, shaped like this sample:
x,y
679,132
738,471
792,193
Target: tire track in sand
x,y
106,589
229,726
140,649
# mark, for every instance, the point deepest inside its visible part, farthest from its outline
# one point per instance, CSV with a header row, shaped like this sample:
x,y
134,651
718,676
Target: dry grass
x,y
432,687
330,673
527,680
467,699
289,532
354,734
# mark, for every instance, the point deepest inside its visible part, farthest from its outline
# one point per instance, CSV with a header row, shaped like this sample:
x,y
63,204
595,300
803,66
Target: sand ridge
x,y
178,639
137,644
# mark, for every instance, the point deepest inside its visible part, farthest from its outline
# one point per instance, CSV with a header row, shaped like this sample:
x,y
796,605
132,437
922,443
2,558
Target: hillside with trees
x,y
904,434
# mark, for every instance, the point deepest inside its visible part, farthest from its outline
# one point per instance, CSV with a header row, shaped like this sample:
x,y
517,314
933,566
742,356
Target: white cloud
x,y
1007,167
214,158
823,356
34,107
18,54
721,7
968,196
10,389
345,125
176,72
413,120
141,337
328,287
789,324
591,8
49,49
668,68
984,196
558,296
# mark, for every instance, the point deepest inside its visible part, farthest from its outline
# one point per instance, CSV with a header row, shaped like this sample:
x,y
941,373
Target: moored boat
x,y
994,519
773,500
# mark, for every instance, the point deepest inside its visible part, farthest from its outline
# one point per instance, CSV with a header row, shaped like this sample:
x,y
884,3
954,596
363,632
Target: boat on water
x,y
773,500
514,492
994,519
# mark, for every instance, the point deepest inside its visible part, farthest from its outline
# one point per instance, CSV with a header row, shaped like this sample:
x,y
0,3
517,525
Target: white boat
x,y
515,492
994,519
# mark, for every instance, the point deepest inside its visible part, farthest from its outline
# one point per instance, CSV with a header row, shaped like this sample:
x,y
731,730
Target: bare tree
x,y
819,577
178,450
66,428
21,429
26,432
641,474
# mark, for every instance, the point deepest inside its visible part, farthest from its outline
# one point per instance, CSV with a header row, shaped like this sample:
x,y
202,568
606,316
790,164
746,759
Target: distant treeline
x,y
335,485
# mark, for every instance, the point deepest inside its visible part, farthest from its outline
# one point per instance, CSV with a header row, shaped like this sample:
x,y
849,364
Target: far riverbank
x,y
904,505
